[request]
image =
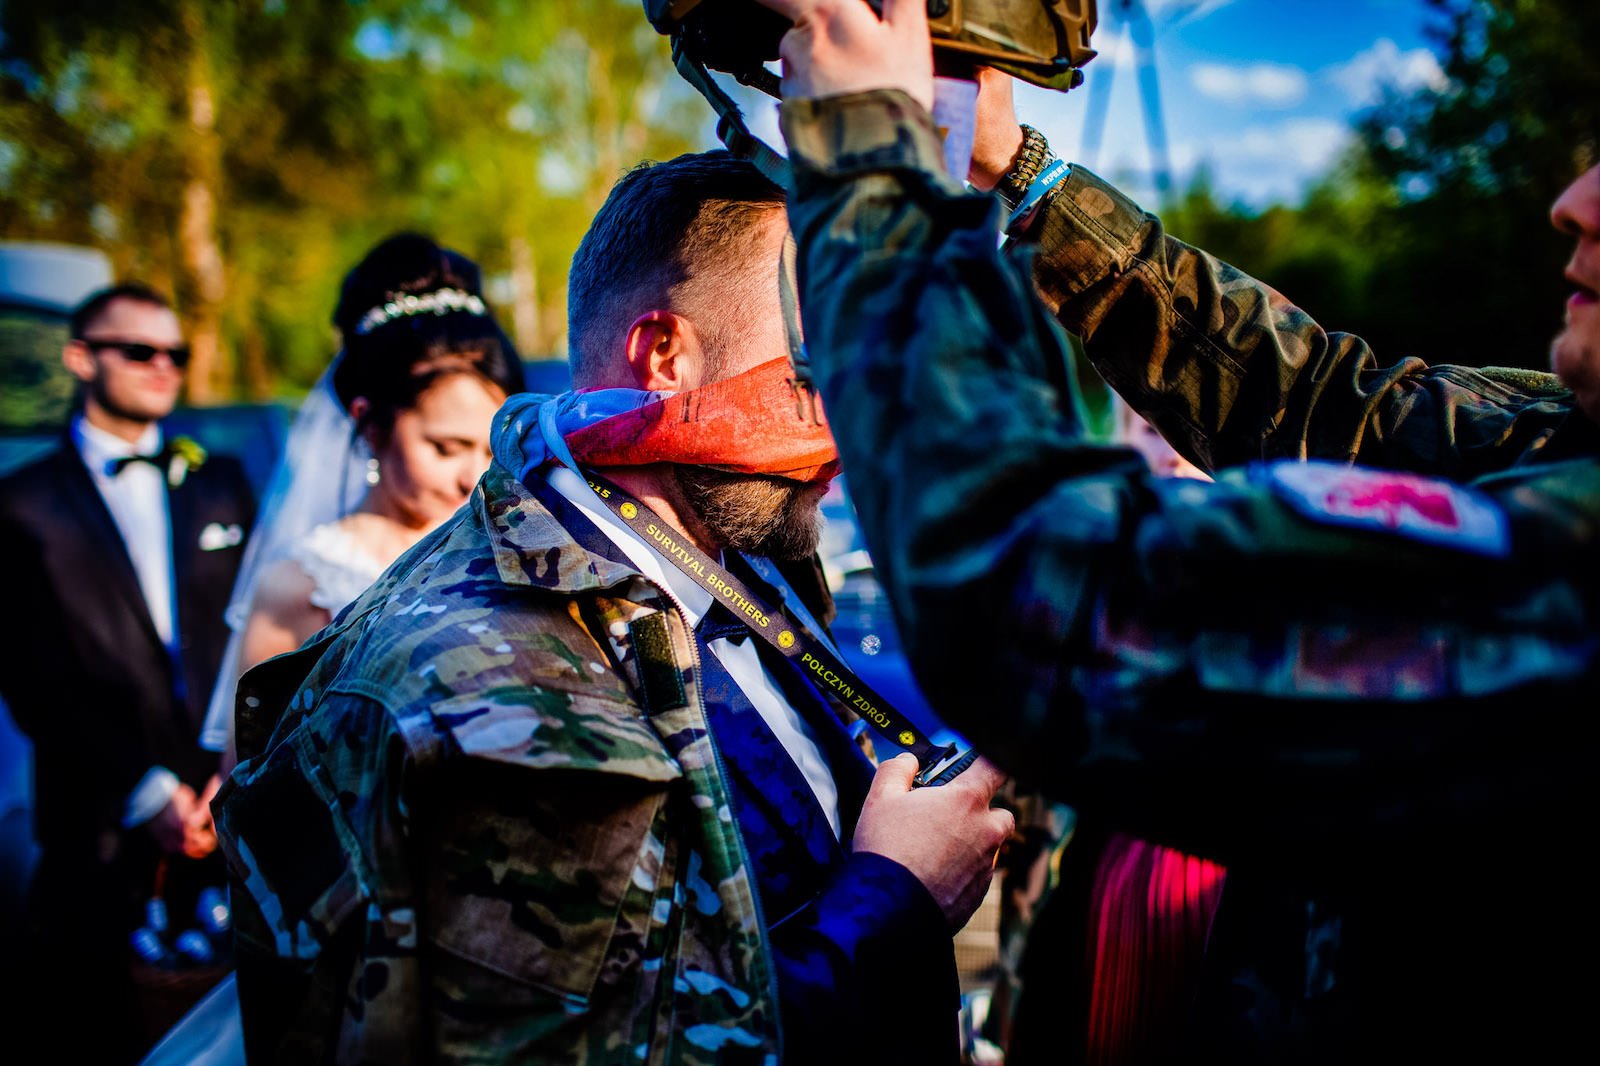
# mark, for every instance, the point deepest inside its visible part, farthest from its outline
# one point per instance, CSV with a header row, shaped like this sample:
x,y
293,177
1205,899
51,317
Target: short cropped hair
x,y
673,236
89,311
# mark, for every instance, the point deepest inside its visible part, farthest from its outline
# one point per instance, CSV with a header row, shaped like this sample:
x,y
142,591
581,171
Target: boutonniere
x,y
185,454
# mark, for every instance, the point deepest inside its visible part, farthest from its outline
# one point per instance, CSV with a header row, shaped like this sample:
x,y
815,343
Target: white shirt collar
x,y
695,600
99,448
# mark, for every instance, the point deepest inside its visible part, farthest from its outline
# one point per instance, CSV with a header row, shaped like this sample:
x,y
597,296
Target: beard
x,y
773,517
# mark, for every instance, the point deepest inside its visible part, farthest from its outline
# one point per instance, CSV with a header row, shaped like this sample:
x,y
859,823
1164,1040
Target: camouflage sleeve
x,y
1102,634
1230,371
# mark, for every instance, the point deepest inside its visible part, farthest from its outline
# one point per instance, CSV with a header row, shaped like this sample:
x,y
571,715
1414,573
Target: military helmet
x,y
1041,41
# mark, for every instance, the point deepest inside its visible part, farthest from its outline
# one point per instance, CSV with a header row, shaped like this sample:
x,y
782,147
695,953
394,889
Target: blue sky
x,y
1261,91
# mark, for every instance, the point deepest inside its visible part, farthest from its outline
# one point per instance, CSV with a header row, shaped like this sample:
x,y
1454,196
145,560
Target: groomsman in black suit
x,y
120,550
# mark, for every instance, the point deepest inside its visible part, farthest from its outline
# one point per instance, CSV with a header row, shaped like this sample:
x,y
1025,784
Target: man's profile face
x,y
122,387
1575,355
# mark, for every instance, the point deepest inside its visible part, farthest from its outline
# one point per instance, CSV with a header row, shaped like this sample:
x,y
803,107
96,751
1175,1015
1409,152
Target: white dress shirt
x,y
137,500
740,660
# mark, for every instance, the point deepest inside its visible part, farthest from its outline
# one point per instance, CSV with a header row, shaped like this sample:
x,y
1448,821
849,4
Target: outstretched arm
x,y
1108,636
1229,369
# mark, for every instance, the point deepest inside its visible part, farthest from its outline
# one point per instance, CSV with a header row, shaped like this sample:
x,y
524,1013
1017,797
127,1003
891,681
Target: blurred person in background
x,y
120,547
1135,914
388,445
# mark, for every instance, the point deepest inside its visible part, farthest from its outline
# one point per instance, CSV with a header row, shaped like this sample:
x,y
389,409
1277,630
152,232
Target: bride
x,y
387,446
422,371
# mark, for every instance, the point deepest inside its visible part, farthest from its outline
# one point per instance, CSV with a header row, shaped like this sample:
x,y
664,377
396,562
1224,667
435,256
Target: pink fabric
x,y
758,422
1149,916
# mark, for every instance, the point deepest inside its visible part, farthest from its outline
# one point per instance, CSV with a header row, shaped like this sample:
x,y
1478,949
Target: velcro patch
x,y
1384,501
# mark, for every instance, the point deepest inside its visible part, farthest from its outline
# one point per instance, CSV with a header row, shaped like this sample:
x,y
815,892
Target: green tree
x,y
1473,171
1431,237
189,140
534,110
245,155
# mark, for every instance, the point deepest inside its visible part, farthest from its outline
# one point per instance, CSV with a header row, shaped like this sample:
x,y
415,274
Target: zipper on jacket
x,y
738,834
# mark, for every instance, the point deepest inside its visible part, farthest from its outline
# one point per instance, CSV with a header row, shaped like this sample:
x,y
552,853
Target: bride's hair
x,y
410,313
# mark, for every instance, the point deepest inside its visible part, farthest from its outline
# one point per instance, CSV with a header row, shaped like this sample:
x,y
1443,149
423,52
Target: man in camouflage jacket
x,y
1369,692
485,815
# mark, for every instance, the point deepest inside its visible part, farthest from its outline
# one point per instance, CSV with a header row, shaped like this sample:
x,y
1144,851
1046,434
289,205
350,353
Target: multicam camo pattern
x,y
1136,632
468,839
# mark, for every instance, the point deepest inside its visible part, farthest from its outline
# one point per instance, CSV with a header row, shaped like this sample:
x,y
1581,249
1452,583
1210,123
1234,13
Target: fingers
x,y
1003,823
983,777
896,775
908,18
794,10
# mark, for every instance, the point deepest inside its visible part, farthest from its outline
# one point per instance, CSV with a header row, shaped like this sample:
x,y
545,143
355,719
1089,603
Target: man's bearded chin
x,y
774,517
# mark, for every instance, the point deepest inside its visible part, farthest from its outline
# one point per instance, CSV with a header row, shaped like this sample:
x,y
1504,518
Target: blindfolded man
x,y
557,798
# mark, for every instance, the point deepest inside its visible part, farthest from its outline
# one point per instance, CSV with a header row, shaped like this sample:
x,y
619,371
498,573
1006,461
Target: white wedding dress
x,y
211,1034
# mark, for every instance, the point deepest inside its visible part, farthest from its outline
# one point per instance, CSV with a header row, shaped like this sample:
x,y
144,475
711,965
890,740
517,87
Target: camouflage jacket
x,y
1308,671
580,897
1230,371
482,818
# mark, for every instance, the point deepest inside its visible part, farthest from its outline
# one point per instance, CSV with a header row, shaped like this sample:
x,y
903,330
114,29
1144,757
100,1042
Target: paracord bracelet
x,y
1031,158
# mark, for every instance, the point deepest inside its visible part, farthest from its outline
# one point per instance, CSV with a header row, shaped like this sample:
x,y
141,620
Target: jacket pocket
x,y
547,818
290,848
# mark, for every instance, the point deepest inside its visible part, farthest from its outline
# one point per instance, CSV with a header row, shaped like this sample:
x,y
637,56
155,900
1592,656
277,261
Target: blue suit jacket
x,y
866,966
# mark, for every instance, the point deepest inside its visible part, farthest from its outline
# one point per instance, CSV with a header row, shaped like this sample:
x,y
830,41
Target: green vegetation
x,y
1432,237
244,155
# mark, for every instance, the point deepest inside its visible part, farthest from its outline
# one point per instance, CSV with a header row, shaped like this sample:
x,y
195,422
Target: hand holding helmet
x,y
839,46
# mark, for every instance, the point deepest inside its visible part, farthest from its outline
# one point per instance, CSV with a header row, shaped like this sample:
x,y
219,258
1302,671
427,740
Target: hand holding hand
x,y
170,825
947,836
840,46
199,832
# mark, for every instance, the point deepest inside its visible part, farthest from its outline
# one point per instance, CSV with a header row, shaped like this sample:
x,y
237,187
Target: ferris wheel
x,y
1131,27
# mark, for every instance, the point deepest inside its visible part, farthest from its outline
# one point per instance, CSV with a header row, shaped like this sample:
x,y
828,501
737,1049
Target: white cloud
x,y
1181,11
1363,77
1269,84
1116,50
1310,143
1264,164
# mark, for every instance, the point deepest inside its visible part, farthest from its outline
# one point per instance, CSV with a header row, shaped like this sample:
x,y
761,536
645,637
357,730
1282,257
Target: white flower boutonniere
x,y
186,454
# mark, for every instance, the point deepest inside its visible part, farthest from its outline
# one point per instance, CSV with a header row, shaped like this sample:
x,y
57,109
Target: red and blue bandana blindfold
x,y
757,422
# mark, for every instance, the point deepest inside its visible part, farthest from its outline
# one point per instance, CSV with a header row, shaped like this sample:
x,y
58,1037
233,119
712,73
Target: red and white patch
x,y
1420,508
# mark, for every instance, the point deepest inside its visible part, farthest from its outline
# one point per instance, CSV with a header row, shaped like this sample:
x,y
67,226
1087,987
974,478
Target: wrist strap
x,y
1041,187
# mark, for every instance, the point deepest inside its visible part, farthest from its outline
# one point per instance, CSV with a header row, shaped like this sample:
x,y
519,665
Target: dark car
x,y
864,627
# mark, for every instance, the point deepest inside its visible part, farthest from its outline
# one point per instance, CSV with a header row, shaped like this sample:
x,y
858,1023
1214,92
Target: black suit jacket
x,y
85,673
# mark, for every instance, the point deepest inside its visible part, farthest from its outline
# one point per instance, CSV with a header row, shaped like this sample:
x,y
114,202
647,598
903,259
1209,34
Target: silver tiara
x,y
437,302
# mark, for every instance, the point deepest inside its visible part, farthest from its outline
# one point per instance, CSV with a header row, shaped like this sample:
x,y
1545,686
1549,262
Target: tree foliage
x,y
313,131
1432,237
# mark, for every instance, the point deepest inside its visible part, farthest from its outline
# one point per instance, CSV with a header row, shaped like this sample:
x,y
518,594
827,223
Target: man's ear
x,y
79,361
663,352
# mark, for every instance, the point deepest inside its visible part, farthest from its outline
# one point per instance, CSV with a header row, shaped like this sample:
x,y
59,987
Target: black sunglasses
x,y
140,353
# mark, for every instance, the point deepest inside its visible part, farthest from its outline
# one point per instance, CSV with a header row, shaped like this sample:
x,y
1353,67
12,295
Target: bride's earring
x,y
373,476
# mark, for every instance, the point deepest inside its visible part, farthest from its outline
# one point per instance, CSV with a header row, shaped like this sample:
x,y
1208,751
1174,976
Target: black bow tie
x,y
719,622
158,459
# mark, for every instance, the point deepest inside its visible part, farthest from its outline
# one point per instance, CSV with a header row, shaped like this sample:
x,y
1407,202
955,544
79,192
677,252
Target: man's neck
x,y
128,429
656,488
